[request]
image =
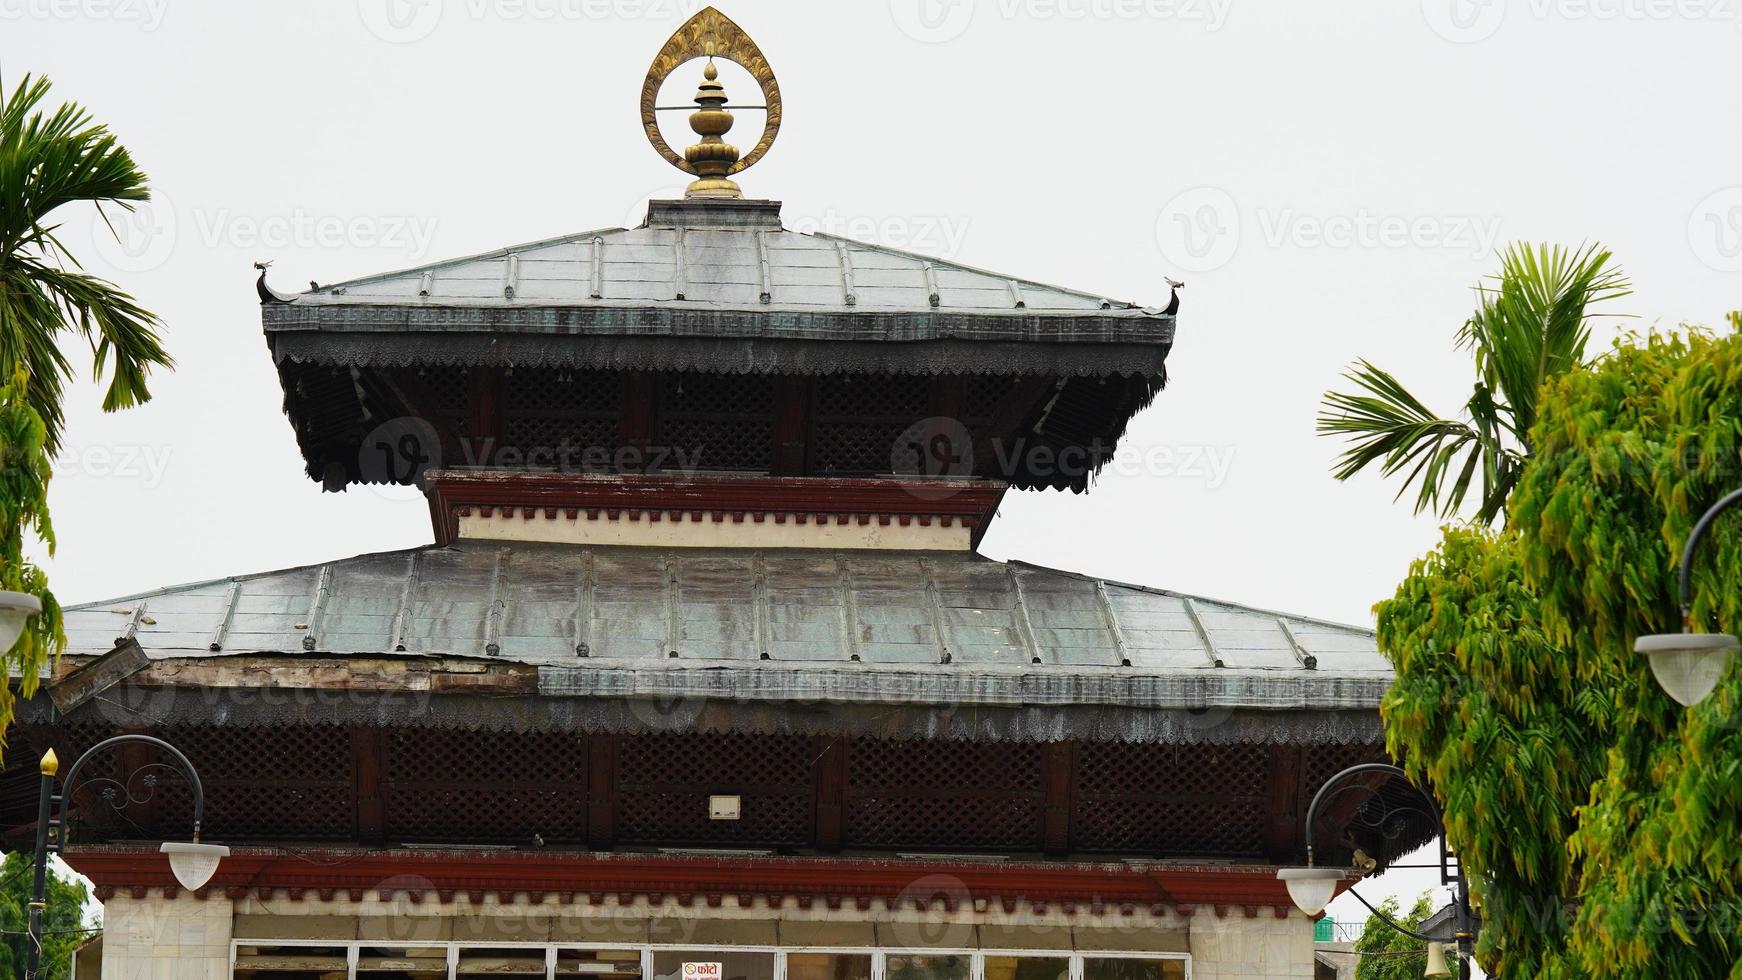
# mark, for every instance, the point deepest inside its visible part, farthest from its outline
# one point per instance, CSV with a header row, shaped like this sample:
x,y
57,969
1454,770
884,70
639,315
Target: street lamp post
x,y
1312,887
193,864
1688,665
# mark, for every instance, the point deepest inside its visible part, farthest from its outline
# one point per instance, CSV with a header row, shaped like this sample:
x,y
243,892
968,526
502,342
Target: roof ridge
x,y
241,577
1153,590
495,253
964,267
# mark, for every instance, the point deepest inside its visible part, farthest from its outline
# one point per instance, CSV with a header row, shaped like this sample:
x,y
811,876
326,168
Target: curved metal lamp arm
x,y
65,797
1687,570
1393,923
1366,767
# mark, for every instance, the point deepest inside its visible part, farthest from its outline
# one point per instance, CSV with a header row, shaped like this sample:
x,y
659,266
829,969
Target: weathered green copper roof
x,y
986,631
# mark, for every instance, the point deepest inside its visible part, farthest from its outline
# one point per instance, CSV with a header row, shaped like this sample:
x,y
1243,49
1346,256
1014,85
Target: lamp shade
x,y
1311,888
16,608
1436,961
1688,666
194,864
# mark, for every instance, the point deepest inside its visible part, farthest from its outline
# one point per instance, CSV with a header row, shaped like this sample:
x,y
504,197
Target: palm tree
x,y
1530,325
47,160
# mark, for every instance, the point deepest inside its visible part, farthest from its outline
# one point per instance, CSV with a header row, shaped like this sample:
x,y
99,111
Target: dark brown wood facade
x,y
801,794
1029,431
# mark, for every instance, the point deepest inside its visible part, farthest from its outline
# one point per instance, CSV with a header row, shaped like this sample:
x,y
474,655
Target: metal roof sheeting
x,y
717,286
853,626
730,267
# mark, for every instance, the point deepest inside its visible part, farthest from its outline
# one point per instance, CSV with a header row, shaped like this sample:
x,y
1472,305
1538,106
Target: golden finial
x,y
50,763
713,157
710,34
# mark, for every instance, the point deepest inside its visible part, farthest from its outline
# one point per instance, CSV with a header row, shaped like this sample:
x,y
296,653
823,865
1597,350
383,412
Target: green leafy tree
x,y
25,467
1530,326
66,923
1601,823
1387,954
50,159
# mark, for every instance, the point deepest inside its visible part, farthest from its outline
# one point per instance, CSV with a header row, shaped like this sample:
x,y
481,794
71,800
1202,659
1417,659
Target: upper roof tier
x,y
712,271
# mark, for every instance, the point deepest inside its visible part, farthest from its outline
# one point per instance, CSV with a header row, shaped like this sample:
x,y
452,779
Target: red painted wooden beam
x,y
690,877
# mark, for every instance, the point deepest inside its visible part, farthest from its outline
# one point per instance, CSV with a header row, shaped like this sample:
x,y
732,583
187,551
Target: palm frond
x,y
1387,425
1534,322
50,159
1531,325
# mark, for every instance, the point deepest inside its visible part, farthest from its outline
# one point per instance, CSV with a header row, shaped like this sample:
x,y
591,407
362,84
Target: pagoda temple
x,y
701,676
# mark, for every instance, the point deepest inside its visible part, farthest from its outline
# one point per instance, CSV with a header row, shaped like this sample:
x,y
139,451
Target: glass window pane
x,y
291,962
605,964
402,963
828,966
926,966
506,962
1028,968
668,964
1107,968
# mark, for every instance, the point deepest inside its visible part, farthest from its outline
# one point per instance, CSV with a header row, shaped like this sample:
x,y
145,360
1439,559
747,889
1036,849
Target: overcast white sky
x,y
1330,179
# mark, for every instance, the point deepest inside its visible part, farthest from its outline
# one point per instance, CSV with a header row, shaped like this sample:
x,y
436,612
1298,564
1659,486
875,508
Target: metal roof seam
x,y
496,253
1203,633
220,634
1306,659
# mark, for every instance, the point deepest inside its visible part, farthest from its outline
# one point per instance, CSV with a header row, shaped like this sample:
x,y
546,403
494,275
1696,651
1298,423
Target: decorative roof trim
x,y
641,319
722,355
169,694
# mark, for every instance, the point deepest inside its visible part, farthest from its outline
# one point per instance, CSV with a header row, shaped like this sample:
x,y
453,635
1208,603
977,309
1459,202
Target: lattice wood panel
x,y
718,421
859,419
93,818
981,396
1325,761
260,783
664,781
500,787
943,794
448,391
1170,800
550,410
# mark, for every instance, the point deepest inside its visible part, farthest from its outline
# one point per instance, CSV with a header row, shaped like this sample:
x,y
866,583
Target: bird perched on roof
x,y
1173,303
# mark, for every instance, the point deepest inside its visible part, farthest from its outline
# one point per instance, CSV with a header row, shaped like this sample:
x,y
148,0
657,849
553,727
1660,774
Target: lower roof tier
x,y
750,624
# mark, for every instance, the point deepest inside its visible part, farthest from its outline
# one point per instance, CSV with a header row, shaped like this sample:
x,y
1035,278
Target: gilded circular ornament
x,y
710,34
